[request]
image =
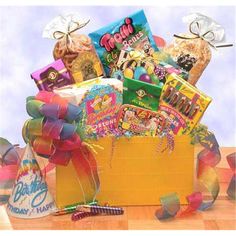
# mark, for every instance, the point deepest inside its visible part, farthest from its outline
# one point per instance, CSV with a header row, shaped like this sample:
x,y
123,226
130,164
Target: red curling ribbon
x,y
231,191
52,136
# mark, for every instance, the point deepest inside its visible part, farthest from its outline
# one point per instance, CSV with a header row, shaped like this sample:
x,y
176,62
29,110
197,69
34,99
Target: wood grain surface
x,y
221,216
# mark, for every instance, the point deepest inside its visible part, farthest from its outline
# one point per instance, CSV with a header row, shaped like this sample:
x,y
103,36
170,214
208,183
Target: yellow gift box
x,y
133,172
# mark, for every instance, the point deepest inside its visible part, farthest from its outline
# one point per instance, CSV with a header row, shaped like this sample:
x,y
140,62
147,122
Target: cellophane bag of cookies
x,y
75,50
192,51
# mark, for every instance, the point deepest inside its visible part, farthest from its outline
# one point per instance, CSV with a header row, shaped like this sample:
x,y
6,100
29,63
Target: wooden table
x,y
221,216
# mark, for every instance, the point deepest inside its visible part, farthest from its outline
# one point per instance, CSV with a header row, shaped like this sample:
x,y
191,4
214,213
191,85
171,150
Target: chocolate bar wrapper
x,y
54,75
99,100
183,103
141,94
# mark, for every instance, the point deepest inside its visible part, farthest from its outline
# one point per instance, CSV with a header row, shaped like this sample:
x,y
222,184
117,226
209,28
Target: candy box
x,y
99,100
135,174
183,103
130,32
139,121
141,94
52,76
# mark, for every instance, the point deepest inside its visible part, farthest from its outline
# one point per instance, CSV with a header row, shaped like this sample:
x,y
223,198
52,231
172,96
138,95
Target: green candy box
x,y
141,94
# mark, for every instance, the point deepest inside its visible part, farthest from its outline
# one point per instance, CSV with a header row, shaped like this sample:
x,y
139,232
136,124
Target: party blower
x,y
92,210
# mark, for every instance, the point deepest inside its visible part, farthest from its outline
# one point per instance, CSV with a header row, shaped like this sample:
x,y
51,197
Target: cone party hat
x,y
30,197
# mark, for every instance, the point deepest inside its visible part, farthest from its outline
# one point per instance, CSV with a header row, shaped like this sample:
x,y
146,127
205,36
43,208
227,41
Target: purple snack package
x,y
54,75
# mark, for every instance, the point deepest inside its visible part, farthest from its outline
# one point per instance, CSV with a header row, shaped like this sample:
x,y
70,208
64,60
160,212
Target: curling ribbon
x,y
207,159
52,132
205,28
9,160
231,191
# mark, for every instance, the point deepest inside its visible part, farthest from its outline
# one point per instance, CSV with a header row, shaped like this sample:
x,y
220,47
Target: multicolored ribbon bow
x,y
9,160
231,191
207,159
52,132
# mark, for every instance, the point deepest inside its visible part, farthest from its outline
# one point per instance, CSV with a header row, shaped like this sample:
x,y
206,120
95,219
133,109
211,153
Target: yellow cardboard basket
x,y
136,174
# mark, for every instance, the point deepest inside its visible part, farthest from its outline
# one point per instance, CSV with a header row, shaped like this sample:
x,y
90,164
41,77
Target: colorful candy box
x,y
183,103
141,94
99,101
139,121
55,75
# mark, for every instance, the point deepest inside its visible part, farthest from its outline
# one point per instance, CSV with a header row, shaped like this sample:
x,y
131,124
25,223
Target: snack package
x,y
130,32
192,51
134,64
99,100
183,103
54,75
86,66
140,121
141,94
76,51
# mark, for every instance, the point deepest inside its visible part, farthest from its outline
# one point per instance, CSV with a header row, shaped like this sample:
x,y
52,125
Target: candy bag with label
x,y
192,51
132,31
75,50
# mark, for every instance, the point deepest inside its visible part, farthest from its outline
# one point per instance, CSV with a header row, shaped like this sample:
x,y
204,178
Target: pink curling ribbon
x,y
208,158
52,132
231,191
9,160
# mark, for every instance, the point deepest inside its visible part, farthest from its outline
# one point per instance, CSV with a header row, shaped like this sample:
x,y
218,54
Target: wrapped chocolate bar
x,y
183,103
54,75
192,51
76,51
130,32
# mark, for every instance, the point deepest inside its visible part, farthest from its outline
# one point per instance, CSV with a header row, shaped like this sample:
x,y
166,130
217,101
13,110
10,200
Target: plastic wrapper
x,y
191,51
70,47
130,32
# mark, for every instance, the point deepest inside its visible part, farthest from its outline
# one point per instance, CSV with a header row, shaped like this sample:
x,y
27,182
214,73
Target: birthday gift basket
x,y
118,115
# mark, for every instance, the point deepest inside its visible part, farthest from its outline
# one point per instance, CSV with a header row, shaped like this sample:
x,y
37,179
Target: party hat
x,y
30,197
